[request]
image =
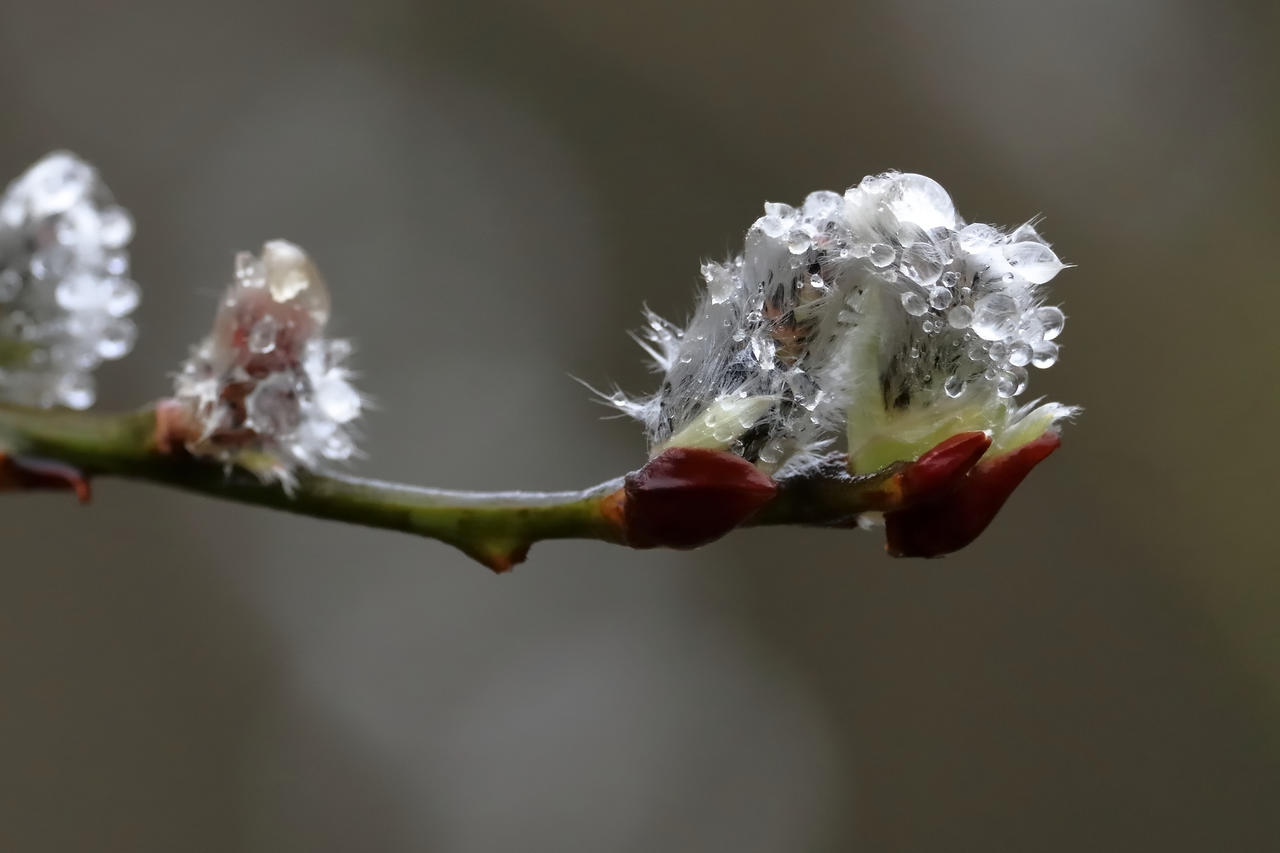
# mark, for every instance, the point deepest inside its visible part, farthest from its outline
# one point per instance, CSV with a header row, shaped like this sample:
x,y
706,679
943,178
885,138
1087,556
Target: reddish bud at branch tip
x,y
686,497
942,468
955,519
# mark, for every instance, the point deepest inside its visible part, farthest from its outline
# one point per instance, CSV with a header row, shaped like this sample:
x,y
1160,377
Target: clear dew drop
x,y
76,390
118,337
1044,354
960,317
1051,321
799,241
10,285
880,255
954,386
913,303
115,227
772,227
123,295
1020,353
770,453
939,297
995,316
1019,375
262,337
116,262
1035,261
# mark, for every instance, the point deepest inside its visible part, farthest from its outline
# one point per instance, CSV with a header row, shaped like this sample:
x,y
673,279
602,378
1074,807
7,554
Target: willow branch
x,y
496,528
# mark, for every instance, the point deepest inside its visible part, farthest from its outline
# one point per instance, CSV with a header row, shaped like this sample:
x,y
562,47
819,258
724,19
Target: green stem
x,y
495,528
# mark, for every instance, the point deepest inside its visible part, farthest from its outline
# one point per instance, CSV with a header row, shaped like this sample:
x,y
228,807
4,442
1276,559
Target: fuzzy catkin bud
x,y
266,390
874,322
65,291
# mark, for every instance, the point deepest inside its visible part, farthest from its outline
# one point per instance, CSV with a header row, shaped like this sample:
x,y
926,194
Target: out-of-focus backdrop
x,y
493,189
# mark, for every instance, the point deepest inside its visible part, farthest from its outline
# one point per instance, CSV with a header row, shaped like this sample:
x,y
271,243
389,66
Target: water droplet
x,y
76,390
1051,320
10,285
913,303
799,241
954,386
81,293
939,297
771,226
995,316
1020,354
123,296
978,238
262,337
920,200
1044,354
1035,261
770,453
116,262
115,227
922,263
117,339
960,317
881,255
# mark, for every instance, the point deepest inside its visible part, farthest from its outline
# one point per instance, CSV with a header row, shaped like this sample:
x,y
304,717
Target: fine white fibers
x,y
266,389
872,322
65,291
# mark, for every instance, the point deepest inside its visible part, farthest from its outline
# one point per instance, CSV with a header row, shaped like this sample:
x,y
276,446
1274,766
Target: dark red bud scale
x,y
686,497
939,470
955,519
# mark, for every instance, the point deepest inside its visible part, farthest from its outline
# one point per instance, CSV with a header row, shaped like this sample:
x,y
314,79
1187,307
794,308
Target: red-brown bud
x,y
687,497
955,519
939,470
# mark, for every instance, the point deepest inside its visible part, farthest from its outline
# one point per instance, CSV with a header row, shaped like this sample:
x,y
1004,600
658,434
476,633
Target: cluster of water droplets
x,y
65,291
267,380
766,361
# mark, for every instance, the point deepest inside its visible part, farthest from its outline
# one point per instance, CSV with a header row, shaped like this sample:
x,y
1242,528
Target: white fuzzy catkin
x,y
869,322
65,291
267,389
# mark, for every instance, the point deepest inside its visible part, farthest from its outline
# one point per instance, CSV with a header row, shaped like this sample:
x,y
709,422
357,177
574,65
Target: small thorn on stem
x,y
24,473
498,560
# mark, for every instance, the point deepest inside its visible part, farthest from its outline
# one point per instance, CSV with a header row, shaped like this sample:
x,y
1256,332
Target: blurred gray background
x,y
492,190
